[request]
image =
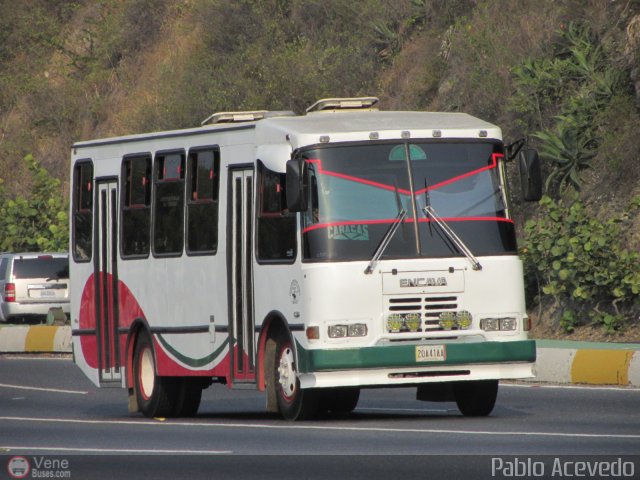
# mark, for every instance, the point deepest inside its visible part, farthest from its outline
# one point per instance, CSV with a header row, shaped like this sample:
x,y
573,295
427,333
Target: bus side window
x,y
276,225
168,204
82,211
136,206
203,184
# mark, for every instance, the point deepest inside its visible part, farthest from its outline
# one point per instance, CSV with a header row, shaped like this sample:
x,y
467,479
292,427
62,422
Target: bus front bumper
x,y
406,364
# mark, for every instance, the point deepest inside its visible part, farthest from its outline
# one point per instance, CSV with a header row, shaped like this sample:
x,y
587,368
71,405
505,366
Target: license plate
x,y
47,293
431,353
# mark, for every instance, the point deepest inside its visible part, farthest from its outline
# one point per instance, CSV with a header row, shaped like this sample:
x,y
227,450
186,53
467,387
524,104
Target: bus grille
x,y
405,311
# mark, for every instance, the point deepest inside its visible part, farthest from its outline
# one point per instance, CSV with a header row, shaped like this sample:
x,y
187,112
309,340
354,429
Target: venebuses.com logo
x,y
38,467
18,467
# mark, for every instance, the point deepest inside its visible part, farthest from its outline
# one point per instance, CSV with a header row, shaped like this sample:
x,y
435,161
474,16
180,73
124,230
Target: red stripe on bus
x,y
494,164
321,170
169,366
128,310
371,183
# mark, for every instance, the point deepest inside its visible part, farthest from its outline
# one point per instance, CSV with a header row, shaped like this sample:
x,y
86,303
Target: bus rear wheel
x,y
476,398
188,396
156,396
293,402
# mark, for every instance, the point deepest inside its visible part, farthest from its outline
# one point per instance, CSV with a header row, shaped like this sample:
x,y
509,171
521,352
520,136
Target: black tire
x,y
293,402
476,398
340,401
156,396
189,394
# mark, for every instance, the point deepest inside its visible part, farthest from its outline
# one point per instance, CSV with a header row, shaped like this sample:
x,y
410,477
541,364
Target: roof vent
x,y
248,116
335,104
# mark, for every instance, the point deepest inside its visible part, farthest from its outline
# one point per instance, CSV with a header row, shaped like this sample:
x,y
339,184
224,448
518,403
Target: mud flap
x,y
270,374
133,401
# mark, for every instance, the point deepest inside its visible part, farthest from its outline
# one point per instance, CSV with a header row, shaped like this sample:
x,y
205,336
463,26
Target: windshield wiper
x,y
382,246
444,226
457,241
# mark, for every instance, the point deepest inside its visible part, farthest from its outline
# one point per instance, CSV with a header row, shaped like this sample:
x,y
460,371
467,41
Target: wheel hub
x,y
147,373
287,372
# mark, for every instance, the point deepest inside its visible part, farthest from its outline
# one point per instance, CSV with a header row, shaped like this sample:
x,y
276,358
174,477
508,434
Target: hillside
x,y
565,74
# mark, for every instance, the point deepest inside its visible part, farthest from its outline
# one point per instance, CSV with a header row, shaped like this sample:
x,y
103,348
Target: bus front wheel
x,y
156,395
294,403
476,398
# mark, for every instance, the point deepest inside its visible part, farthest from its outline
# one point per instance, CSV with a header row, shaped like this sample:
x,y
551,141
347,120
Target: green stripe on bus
x,y
193,362
397,356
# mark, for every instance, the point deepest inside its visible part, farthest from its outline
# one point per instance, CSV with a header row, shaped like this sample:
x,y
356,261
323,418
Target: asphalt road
x,y
50,411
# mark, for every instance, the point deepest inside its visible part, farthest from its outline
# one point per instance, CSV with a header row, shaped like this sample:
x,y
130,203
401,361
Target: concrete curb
x,y
35,339
558,361
588,363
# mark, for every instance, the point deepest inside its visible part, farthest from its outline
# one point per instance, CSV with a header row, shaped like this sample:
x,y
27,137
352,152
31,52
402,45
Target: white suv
x,y
31,284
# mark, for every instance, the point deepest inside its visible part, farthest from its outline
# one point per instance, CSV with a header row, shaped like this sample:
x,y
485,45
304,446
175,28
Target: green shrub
x,y
571,88
37,221
570,148
580,261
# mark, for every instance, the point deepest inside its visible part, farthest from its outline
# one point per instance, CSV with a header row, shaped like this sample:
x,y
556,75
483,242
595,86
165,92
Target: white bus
x,y
305,256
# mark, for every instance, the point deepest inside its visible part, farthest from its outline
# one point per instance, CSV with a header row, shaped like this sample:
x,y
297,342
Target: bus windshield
x,y
357,190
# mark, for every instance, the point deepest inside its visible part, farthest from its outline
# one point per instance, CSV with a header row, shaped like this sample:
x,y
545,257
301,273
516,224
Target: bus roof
x,y
341,126
366,125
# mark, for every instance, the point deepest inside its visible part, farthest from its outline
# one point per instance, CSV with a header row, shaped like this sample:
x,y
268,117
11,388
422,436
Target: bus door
x,y
240,278
106,274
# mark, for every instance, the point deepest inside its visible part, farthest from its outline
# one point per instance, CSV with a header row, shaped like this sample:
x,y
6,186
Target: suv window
x,y
4,262
41,267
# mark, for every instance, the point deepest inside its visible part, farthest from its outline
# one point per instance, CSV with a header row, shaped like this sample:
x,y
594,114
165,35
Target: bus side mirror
x,y
297,186
530,175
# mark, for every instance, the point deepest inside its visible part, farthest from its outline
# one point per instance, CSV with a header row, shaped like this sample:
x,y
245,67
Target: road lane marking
x,y
409,410
618,388
322,428
40,389
114,450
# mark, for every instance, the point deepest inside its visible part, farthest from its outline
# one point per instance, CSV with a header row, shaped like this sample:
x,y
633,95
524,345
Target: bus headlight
x,y
394,322
504,324
351,330
447,320
338,331
357,330
455,320
412,321
508,323
404,322
463,320
490,324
